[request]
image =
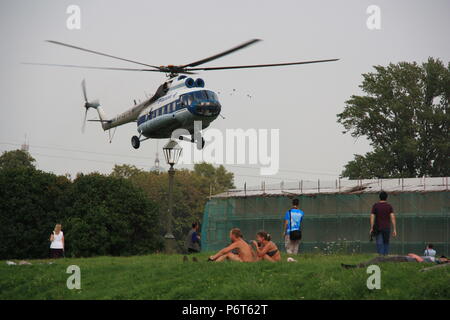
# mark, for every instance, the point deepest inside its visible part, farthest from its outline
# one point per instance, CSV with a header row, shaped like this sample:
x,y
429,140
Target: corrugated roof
x,y
309,187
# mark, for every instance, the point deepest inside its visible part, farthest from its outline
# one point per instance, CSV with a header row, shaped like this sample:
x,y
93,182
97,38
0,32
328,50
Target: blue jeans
x,y
382,241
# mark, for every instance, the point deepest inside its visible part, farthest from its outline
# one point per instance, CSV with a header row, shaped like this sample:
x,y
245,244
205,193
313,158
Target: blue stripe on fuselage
x,y
160,111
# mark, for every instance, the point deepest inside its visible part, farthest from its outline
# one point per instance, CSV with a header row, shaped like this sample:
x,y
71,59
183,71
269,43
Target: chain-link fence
x,y
335,221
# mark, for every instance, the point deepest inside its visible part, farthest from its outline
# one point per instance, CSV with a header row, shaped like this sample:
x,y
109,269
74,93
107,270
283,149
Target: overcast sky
x,y
46,103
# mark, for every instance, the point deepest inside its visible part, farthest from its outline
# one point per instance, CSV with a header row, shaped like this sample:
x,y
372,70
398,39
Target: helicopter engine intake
x,y
200,83
189,82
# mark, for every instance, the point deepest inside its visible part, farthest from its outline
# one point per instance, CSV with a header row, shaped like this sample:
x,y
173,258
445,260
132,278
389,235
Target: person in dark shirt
x,y
193,239
381,218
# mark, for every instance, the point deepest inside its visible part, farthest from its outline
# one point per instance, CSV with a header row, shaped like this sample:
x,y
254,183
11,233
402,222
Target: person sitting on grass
x,y
265,248
429,251
238,250
411,257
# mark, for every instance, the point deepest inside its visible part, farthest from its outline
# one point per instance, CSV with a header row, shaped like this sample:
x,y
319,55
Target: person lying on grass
x,y
411,257
238,250
265,248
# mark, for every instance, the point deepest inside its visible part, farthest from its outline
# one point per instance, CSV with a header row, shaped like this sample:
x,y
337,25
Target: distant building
x,y
157,168
25,146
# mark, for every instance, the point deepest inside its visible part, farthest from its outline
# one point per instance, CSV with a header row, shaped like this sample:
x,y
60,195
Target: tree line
x,y
117,214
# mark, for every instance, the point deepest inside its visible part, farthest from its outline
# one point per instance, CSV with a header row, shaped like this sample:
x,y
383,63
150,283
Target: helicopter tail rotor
x,y
93,104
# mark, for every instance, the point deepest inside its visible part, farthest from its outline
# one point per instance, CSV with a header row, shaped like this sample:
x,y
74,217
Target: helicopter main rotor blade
x,y
89,67
261,65
99,53
219,55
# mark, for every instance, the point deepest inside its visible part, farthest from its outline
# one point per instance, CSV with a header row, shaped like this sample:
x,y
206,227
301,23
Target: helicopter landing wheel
x,y
203,144
135,142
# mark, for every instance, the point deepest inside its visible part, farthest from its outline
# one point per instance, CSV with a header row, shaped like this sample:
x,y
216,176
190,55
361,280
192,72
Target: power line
x,y
84,159
286,170
81,151
148,166
143,157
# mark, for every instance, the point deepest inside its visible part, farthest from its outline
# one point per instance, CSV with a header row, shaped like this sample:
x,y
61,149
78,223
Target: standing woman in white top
x,y
57,242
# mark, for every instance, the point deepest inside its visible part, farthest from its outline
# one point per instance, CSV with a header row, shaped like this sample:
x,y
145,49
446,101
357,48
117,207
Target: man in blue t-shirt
x,y
292,222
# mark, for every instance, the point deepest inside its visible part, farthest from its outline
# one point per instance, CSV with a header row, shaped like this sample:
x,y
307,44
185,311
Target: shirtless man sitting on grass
x,y
238,250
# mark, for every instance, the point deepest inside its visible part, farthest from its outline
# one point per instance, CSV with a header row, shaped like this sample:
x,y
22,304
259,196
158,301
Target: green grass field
x,y
168,277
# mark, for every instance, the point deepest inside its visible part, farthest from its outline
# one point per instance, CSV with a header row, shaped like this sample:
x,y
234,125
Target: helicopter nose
x,y
208,108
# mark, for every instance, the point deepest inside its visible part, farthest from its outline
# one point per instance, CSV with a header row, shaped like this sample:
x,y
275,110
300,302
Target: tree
x,y
125,171
405,115
105,215
219,179
16,159
191,192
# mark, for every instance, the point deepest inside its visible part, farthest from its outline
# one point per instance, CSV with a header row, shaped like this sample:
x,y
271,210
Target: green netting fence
x,y
333,222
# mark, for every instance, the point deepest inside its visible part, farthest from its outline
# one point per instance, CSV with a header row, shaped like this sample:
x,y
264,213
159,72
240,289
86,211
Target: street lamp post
x,y
172,152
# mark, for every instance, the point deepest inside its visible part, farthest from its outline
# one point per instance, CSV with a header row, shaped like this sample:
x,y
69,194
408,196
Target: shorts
x,y
56,253
291,245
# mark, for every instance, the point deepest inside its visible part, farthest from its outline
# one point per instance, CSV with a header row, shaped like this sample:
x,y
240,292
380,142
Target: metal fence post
x,y
210,191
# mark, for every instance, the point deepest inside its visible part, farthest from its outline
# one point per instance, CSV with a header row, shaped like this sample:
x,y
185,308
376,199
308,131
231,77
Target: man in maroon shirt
x,y
381,217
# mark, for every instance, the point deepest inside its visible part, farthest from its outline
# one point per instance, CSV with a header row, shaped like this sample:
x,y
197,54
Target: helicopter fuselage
x,y
186,101
177,104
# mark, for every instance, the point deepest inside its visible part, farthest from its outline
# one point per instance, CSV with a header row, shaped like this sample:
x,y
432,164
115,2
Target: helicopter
x,y
177,103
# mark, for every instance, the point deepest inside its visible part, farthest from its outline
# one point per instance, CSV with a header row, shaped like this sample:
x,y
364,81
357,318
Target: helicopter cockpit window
x,y
200,95
212,95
